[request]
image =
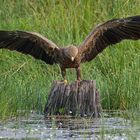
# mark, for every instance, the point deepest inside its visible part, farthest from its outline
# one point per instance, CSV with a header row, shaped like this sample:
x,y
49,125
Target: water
x,y
108,127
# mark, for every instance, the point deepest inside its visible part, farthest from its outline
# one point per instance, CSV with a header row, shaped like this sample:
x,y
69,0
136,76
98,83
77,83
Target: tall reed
x,y
25,82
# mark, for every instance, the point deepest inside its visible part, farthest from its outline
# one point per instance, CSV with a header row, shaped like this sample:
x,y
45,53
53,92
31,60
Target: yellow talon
x,y
65,81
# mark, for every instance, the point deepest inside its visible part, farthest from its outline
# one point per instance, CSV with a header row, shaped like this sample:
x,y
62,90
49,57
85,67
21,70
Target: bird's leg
x,y
78,72
63,72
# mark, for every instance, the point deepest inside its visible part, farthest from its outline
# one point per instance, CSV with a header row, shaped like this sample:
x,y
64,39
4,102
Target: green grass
x,y
25,82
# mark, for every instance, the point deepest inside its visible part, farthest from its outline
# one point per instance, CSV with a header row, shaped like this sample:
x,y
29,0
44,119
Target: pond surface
x,y
109,127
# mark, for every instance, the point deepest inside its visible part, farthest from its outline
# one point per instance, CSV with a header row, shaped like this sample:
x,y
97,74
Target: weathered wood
x,y
80,99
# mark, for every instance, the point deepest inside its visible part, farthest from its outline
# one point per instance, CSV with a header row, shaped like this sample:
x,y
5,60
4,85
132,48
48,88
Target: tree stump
x,y
78,99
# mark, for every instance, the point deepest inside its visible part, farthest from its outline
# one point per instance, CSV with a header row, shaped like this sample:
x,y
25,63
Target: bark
x,y
78,99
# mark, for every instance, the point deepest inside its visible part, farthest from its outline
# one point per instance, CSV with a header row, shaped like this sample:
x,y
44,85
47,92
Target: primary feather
x,y
30,43
111,32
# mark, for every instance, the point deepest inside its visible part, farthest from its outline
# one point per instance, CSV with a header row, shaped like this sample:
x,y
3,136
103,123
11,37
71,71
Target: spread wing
x,y
111,32
30,43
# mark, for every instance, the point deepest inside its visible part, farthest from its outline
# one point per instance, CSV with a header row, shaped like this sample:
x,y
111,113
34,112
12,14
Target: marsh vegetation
x,y
25,82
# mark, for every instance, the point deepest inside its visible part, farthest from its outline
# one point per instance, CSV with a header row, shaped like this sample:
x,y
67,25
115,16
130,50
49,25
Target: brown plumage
x,y
106,34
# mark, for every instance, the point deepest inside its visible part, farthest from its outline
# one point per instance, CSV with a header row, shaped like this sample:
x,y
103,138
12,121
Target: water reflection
x,y
64,127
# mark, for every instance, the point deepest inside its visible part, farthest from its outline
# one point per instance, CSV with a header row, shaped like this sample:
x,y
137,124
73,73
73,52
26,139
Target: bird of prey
x,y
38,46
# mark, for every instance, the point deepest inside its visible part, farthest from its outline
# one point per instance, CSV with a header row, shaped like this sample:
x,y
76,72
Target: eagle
x,y
102,36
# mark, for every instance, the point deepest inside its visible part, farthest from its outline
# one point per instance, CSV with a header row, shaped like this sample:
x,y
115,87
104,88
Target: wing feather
x,y
30,43
108,33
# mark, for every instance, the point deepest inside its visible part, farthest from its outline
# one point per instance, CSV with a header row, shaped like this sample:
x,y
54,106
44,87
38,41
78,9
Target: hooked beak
x,y
72,58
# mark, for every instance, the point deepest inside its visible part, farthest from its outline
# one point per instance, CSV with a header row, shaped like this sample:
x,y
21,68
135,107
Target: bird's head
x,y
71,52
